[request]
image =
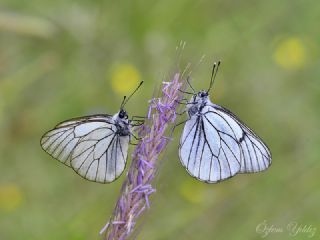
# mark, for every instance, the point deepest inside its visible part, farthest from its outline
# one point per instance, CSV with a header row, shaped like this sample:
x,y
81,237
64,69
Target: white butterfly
x,y
96,146
216,145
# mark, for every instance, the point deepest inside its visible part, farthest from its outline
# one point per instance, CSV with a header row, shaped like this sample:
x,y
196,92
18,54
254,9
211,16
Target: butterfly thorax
x,y
197,103
122,123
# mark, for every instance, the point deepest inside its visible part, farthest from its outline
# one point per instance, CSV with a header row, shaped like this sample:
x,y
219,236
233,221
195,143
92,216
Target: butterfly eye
x,y
121,114
203,94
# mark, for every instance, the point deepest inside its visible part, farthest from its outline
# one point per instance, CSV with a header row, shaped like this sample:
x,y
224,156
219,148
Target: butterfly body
x,y
197,103
122,123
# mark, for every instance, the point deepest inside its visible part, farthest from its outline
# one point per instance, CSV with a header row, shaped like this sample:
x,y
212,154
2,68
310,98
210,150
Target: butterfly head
x,y
122,123
122,115
202,94
197,102
121,118
199,97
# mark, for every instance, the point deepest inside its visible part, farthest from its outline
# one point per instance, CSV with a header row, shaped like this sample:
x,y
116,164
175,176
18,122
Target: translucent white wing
x,y
256,154
90,146
60,141
209,149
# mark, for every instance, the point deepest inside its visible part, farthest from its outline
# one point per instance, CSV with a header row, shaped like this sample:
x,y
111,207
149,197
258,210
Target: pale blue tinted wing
x,y
101,155
90,146
256,154
208,148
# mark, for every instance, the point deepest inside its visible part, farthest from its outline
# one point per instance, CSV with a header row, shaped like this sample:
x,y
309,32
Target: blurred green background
x,y
61,59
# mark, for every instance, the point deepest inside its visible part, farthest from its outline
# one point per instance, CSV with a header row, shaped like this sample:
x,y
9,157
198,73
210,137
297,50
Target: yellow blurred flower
x,y
290,53
10,197
193,191
124,78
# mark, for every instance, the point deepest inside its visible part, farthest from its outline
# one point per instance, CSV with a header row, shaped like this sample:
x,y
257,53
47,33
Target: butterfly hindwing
x,y
208,149
90,145
256,154
101,158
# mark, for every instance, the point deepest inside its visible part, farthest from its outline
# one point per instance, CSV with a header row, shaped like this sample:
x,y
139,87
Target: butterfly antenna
x,y
188,81
125,101
213,74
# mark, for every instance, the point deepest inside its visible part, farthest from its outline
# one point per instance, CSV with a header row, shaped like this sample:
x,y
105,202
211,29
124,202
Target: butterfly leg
x,y
181,113
138,117
136,122
184,103
181,101
140,123
176,125
136,138
132,143
190,93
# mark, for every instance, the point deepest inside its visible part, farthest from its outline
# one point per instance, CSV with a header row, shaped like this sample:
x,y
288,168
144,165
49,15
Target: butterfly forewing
x,y
208,149
90,145
256,154
59,143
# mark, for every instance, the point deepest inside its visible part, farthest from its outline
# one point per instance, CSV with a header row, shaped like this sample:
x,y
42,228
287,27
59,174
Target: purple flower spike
x,y
136,189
